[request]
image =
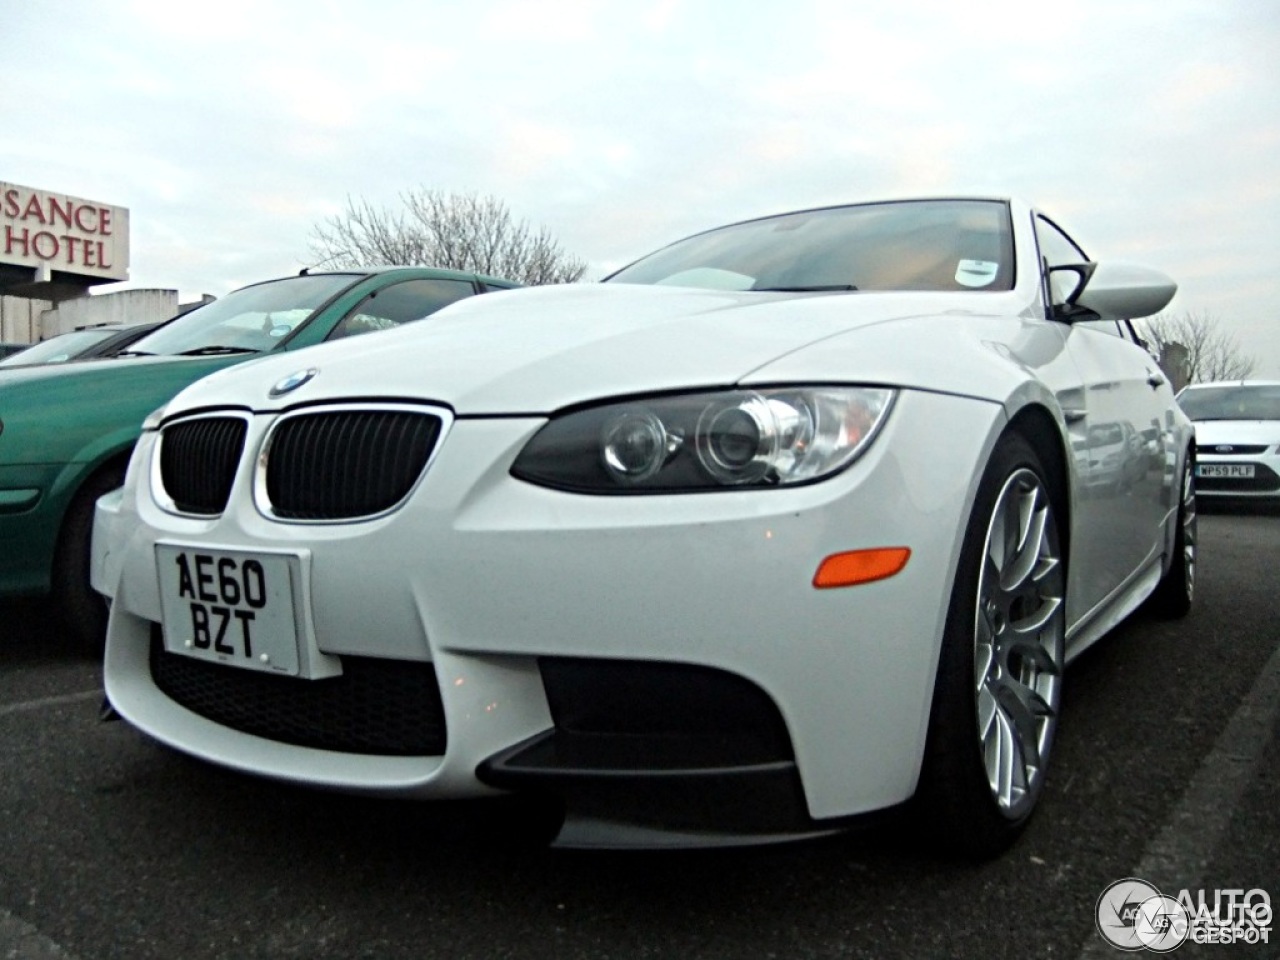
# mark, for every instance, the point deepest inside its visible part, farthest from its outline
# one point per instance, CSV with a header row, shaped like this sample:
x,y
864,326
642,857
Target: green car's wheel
x,y
82,609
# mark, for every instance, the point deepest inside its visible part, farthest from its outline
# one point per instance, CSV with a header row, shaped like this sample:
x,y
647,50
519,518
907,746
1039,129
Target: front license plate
x,y
1234,471
230,607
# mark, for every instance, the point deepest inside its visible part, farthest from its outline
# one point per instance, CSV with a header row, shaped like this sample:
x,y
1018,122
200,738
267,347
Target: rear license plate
x,y
230,607
1241,471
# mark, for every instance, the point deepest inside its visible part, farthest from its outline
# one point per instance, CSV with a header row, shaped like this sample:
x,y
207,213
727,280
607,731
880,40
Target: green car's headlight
x,y
706,441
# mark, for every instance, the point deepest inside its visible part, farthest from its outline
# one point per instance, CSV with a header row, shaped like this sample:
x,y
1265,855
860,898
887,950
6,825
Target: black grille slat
x,y
198,460
375,708
341,464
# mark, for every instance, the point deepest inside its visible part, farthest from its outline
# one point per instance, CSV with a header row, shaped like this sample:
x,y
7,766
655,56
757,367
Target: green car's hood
x,y
80,412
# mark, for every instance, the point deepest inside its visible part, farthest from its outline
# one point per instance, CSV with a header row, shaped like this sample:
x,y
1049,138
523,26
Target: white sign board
x,y
55,232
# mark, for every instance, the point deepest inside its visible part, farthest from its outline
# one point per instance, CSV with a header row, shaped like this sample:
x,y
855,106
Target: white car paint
x,y
481,574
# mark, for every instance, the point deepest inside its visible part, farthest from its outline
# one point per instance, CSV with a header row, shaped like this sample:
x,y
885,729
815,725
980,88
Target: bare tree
x,y
455,231
1211,353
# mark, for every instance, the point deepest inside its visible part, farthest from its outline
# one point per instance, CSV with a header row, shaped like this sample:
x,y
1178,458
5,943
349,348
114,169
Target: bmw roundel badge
x,y
292,382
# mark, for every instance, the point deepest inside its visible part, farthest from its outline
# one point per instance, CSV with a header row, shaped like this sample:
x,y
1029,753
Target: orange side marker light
x,y
860,566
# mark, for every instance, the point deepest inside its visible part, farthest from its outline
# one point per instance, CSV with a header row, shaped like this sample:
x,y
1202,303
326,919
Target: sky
x,y
1149,129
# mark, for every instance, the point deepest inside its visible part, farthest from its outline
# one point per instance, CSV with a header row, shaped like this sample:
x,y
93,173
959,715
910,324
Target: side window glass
x,y
400,303
1057,249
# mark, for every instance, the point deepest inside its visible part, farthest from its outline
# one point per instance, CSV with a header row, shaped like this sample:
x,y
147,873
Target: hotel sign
x,y
53,232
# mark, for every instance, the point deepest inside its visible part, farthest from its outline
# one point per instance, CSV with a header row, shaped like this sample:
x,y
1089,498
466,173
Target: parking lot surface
x,y
1167,761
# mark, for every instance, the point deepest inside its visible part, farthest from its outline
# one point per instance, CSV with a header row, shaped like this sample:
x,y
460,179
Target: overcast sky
x,y
1149,128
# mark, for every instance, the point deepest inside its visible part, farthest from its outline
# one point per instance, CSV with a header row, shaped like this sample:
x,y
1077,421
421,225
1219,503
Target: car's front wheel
x,y
999,684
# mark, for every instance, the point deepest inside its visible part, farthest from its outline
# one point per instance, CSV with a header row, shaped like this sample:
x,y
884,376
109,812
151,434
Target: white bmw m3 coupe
x,y
790,522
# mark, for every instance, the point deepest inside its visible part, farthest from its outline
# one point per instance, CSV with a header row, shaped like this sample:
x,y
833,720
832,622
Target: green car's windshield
x,y
941,245
1237,402
251,319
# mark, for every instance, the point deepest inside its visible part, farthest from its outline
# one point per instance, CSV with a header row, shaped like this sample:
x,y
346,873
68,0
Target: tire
x,y
1174,594
83,610
999,685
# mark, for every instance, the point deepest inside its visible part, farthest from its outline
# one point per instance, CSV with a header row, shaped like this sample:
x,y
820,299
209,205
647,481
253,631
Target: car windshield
x,y
1239,402
939,245
251,319
59,349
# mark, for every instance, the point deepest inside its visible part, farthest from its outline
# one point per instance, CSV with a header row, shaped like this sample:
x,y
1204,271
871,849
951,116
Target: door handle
x,y
1156,380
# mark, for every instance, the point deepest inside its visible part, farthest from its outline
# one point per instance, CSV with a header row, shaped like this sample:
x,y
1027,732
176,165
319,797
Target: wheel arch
x,y
117,461
1035,424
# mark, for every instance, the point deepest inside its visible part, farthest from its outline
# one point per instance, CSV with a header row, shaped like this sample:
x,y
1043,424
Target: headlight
x,y
706,441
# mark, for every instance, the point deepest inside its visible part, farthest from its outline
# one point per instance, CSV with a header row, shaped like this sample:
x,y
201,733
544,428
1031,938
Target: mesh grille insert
x,y
376,707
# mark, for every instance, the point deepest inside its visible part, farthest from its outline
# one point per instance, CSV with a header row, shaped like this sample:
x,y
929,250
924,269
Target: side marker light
x,y
860,566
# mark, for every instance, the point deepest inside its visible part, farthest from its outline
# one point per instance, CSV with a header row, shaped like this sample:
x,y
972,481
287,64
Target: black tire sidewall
x,y
77,604
1172,597
954,796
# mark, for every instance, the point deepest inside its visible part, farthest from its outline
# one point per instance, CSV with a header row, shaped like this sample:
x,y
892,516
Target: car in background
x,y
781,525
66,430
88,344
1237,437
9,349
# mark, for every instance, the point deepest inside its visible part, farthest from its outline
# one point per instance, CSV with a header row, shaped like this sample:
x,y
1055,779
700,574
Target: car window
x,y
1057,249
401,303
253,318
1232,402
941,245
61,348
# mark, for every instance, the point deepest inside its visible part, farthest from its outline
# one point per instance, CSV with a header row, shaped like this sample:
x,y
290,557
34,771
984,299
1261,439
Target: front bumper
x,y
488,581
1250,476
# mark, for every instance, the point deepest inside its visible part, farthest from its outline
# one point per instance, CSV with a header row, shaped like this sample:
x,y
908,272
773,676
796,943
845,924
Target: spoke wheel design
x,y
1018,642
998,690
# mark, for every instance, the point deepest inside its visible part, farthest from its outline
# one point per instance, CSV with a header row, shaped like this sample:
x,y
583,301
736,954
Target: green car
x,y
66,431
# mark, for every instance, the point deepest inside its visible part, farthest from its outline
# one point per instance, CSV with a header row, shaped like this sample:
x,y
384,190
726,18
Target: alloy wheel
x,y
1019,642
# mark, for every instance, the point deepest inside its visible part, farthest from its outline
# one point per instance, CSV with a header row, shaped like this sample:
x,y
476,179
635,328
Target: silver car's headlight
x,y
706,441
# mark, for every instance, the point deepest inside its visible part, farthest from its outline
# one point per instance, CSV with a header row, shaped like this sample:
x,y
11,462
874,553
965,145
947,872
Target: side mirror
x,y
1114,291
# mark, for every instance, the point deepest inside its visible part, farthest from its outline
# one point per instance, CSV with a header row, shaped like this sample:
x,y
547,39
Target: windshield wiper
x,y
133,353
814,288
216,350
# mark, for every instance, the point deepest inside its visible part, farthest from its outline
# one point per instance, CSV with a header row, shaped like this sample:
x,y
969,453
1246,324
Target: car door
x,y
1118,439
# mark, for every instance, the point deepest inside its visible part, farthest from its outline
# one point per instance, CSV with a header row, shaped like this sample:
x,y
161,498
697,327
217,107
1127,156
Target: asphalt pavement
x,y
1167,762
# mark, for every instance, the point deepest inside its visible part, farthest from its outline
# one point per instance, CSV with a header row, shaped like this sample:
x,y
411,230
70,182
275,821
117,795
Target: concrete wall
x,y
123,306
20,319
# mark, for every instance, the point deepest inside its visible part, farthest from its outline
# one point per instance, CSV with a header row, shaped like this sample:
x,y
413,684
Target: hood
x,y
1210,433
536,350
61,413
